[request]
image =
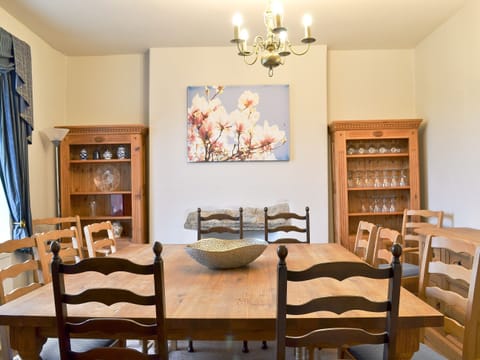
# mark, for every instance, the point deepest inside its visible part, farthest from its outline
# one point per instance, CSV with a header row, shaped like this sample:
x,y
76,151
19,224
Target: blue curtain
x,y
16,125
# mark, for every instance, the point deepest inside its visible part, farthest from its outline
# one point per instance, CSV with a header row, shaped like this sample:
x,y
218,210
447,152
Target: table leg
x,y
408,341
27,342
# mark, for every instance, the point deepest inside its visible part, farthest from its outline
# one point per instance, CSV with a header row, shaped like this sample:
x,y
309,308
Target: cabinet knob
x,y
99,139
378,133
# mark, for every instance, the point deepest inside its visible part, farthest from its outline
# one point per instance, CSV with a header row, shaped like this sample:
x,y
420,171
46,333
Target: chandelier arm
x,y
303,52
245,58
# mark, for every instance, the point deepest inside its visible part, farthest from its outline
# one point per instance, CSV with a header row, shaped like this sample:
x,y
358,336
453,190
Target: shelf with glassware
x,y
103,178
375,174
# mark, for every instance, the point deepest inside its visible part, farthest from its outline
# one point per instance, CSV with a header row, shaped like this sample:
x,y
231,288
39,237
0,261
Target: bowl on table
x,y
226,254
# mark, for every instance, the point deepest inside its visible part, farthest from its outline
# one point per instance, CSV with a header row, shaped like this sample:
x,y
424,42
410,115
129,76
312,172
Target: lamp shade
x,y
56,134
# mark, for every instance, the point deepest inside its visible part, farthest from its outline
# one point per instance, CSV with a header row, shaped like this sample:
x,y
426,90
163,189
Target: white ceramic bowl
x,y
226,254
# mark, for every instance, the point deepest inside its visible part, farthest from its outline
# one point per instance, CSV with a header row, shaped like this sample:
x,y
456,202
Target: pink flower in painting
x,y
215,135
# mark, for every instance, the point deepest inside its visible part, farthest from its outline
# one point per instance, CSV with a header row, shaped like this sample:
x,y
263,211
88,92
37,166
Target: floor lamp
x,y
56,135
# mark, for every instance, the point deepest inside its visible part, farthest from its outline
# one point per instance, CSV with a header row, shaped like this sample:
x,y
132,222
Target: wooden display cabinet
x,y
375,174
99,188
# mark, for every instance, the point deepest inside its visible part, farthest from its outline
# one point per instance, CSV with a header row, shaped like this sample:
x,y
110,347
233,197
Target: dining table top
x,y
464,233
206,304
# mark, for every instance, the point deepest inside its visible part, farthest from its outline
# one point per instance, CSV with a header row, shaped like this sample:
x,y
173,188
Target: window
x,y
5,226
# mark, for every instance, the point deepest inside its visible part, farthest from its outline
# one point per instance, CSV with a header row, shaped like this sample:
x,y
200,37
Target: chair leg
x,y
245,346
264,345
190,346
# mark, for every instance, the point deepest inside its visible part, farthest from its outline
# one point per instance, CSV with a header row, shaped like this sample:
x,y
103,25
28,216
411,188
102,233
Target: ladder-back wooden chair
x,y
337,337
100,239
450,281
101,242
365,241
116,328
219,223
413,242
25,275
56,223
286,222
70,249
382,257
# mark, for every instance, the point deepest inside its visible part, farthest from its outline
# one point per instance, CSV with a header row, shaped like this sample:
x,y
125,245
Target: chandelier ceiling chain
x,y
275,46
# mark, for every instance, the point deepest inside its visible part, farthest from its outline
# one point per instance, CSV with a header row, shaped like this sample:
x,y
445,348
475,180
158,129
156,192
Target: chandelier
x,y
275,46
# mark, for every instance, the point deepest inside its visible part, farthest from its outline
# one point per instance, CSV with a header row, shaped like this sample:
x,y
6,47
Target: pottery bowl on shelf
x,y
226,254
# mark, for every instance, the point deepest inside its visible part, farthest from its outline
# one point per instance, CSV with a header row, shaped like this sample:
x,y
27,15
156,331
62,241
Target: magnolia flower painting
x,y
237,123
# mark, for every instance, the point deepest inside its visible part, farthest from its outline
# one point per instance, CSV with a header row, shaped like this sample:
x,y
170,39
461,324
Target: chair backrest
x,y
383,242
100,239
338,337
440,275
113,328
70,249
219,223
54,223
365,240
283,223
28,267
415,219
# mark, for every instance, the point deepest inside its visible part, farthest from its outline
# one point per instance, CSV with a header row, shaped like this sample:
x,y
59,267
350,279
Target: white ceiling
x,y
99,27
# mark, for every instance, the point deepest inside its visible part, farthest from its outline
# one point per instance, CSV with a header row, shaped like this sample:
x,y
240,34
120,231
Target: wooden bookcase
x,y
99,188
375,174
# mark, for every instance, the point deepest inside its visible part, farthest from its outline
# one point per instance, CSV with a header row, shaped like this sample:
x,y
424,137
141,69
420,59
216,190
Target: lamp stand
x,y
56,143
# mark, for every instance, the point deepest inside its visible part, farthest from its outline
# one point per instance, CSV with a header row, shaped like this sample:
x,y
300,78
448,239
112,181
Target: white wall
x,y
371,84
448,98
107,90
177,187
49,103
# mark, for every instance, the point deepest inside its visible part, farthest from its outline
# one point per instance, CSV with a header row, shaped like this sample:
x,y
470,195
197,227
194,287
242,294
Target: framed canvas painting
x,y
238,123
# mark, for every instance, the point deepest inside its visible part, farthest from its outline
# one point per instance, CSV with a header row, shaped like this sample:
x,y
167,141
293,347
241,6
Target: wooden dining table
x,y
206,304
465,233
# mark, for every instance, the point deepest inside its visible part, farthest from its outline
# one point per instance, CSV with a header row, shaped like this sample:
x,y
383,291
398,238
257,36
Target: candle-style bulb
x,y
307,23
237,22
277,12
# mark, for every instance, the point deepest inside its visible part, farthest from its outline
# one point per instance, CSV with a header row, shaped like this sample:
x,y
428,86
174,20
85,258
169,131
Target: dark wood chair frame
x,y
338,337
219,229
115,328
287,228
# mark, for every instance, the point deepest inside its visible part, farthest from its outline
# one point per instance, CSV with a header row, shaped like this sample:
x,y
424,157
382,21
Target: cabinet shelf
x,y
105,218
101,161
379,188
82,193
376,155
390,213
366,153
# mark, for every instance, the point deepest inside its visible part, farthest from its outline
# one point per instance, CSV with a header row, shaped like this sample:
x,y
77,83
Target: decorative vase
x,y
121,152
117,229
83,154
107,154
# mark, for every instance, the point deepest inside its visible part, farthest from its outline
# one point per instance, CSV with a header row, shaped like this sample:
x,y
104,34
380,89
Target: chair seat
x,y
373,352
408,269
51,351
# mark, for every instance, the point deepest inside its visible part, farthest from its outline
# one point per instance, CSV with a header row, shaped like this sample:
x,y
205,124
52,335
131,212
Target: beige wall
x,y
49,103
107,89
371,84
448,98
177,187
